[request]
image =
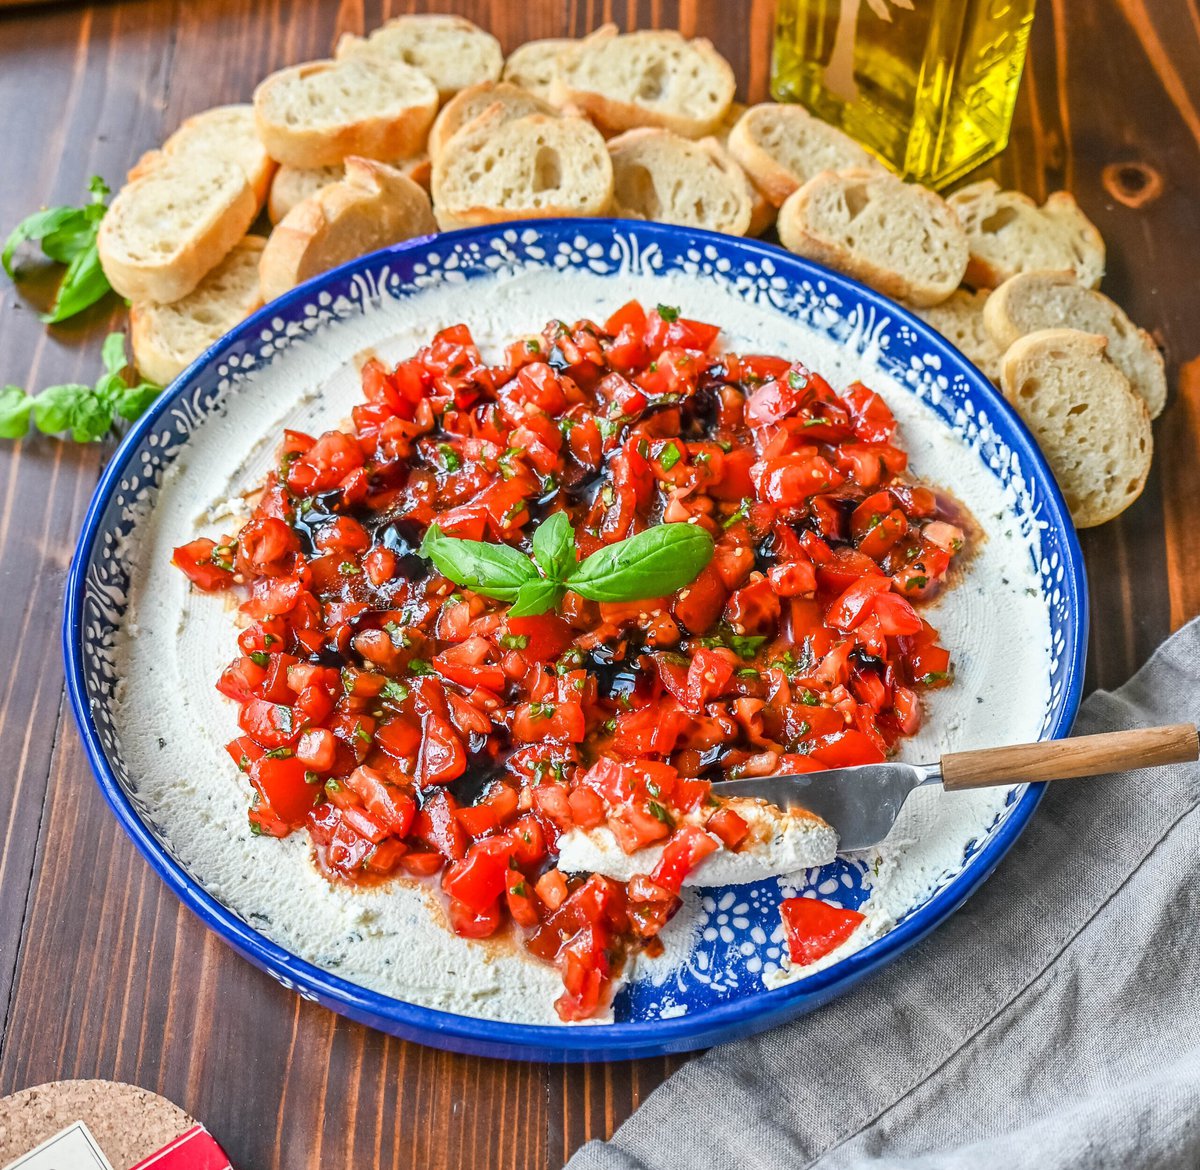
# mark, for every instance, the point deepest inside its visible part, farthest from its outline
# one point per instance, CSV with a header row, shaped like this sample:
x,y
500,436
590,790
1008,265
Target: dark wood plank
x,y
111,977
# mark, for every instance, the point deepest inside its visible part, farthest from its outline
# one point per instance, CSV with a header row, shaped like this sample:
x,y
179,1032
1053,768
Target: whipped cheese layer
x,y
392,938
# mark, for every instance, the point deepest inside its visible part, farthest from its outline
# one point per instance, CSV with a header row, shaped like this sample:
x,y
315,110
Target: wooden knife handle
x,y
1063,759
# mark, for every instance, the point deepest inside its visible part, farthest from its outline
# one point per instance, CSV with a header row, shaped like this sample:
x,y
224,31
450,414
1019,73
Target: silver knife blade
x,y
861,804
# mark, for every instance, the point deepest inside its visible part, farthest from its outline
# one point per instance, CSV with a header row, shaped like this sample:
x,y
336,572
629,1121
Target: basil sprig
x,y
651,564
86,411
68,236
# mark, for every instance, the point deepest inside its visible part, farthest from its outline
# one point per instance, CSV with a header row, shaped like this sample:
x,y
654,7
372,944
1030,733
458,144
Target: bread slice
x,y
292,185
1009,233
1031,301
897,237
762,210
959,319
168,338
469,103
534,64
782,147
1091,426
372,206
538,166
225,132
450,50
317,114
645,79
661,176
168,229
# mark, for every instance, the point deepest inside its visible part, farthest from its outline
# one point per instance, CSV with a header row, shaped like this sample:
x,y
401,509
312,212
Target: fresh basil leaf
x,y
494,570
136,400
55,408
536,597
90,420
554,546
39,226
15,406
651,564
66,242
113,353
83,284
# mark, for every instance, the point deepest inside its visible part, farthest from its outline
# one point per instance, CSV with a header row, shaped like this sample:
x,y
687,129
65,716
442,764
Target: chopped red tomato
x,y
815,928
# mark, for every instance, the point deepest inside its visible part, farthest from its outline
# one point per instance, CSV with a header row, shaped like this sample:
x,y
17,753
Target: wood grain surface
x,y
101,972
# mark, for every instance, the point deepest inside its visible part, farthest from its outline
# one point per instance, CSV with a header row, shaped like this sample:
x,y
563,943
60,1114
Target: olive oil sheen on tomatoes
x,y
928,85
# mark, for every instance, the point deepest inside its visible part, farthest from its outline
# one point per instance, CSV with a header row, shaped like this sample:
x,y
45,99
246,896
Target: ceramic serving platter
x,y
727,977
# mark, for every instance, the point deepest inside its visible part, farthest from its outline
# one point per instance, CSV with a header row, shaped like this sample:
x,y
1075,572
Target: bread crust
x,y
165,277
372,206
1081,454
775,180
406,39
392,130
209,132
1060,214
159,350
613,115
1132,349
656,147
493,126
457,112
799,237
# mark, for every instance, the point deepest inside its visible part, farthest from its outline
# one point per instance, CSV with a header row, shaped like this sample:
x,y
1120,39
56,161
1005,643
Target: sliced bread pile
x,y
424,125
346,153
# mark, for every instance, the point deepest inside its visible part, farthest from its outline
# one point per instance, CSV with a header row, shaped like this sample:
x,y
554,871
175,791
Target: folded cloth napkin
x,y
1052,1023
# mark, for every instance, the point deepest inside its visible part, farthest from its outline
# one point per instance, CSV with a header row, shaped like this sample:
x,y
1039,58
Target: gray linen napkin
x,y
1053,1023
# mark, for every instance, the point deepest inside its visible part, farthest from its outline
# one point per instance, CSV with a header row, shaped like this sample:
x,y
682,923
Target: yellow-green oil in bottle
x,y
928,85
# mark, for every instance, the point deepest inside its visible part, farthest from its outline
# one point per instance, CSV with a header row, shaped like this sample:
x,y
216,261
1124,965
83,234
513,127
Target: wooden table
x,y
101,972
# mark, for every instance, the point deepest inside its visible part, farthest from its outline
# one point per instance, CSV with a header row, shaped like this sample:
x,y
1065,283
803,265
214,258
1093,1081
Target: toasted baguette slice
x,y
225,132
645,79
661,176
1031,301
320,113
167,230
1091,426
292,185
466,105
762,210
534,64
1009,233
782,147
538,166
168,338
897,237
959,319
371,207
450,50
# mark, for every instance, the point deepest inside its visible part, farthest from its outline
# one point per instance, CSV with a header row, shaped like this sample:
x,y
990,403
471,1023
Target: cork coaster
x,y
129,1123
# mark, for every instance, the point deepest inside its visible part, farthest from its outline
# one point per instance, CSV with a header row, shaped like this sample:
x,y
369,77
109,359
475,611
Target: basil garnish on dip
x,y
651,564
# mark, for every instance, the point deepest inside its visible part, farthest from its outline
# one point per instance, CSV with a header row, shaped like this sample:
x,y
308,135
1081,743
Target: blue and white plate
x,y
723,985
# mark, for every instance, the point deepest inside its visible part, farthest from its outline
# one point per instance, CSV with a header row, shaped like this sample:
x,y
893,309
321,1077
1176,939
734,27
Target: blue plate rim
x,y
735,1018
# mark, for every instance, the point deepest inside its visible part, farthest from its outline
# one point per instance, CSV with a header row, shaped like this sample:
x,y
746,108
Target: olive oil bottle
x,y
928,85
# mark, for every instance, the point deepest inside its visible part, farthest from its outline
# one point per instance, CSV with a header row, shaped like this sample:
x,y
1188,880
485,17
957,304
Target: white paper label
x,y
73,1148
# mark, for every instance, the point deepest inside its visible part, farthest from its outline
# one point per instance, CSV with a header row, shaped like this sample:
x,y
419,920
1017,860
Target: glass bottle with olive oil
x,y
928,85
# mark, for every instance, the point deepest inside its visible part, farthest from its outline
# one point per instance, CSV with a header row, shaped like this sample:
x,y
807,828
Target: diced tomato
x,y
815,928
542,637
684,851
479,878
196,560
283,785
730,827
